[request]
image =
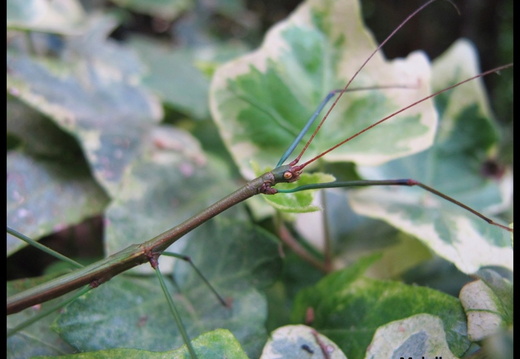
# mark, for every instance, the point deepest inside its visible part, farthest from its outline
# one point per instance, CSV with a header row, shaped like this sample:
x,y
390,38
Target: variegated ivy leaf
x,y
488,303
262,100
350,309
164,9
215,344
299,341
465,139
302,201
93,93
60,16
419,336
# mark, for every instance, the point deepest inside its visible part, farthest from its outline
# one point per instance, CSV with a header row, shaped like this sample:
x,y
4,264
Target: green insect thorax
x,y
285,174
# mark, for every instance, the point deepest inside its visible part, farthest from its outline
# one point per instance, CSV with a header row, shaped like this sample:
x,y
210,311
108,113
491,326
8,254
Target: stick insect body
x,y
102,271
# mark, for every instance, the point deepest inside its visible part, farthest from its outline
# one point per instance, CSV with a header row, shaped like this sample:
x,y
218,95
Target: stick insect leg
x,y
199,273
58,306
173,308
43,248
395,182
305,128
51,310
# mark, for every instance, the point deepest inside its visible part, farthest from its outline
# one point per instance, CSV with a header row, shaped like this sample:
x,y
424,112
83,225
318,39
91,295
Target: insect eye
x,y
288,175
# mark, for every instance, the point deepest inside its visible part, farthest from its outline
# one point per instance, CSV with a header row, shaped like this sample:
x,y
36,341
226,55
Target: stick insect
x,y
149,251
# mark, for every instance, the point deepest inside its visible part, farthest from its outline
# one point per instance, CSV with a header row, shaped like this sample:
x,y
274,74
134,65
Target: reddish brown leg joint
x,y
153,258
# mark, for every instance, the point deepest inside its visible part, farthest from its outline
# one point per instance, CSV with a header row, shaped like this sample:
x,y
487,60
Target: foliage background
x,y
205,24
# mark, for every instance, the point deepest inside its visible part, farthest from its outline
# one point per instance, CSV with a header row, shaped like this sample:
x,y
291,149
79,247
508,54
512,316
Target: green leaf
x,y
215,344
420,336
35,339
262,100
92,95
49,186
500,344
298,202
131,312
171,69
488,304
502,289
236,253
44,196
239,260
219,343
453,166
353,236
171,181
349,308
63,17
299,341
482,310
37,135
164,9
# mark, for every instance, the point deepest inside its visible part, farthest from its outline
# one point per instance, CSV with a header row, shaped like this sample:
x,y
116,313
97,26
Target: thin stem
x,y
326,229
297,248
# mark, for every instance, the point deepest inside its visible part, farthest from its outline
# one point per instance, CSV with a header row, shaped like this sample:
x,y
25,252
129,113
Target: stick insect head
x,y
286,174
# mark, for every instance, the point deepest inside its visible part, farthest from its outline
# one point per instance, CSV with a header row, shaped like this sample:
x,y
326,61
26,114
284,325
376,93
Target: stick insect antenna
x,y
497,69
